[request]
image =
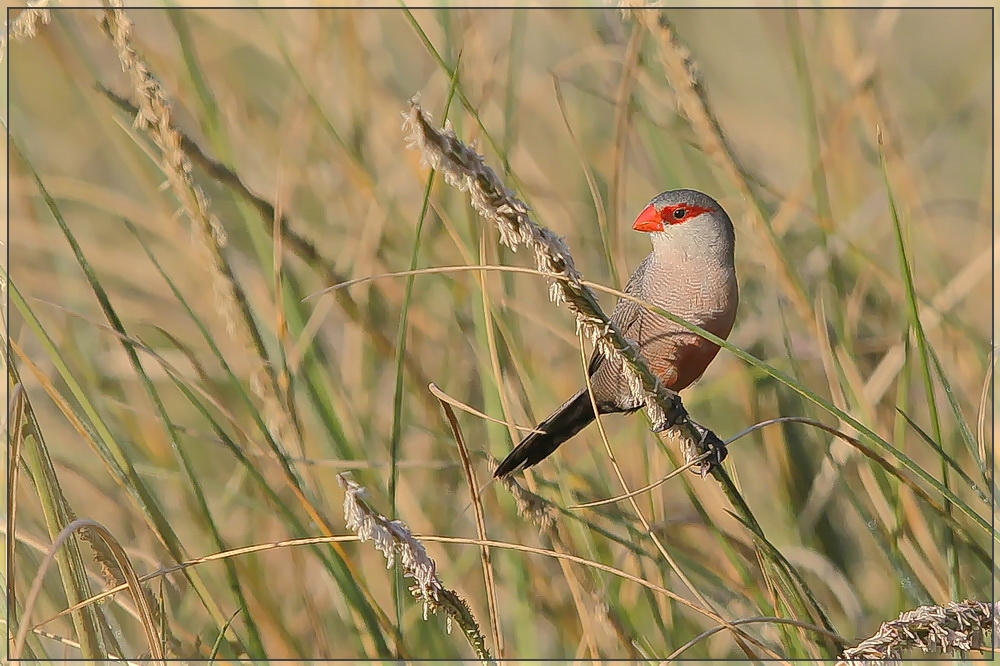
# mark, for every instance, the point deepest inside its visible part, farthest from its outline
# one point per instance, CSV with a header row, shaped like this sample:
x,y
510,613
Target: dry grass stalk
x,y
156,118
463,168
111,572
692,98
956,626
530,506
25,26
587,593
393,538
122,564
209,238
629,8
280,224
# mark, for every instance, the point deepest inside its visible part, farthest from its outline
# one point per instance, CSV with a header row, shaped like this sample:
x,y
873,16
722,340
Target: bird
x,y
690,273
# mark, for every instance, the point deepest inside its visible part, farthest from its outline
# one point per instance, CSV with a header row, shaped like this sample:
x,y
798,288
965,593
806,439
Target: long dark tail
x,y
575,414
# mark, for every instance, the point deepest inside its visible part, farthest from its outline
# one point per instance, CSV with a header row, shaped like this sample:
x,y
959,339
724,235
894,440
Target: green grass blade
x,y
925,368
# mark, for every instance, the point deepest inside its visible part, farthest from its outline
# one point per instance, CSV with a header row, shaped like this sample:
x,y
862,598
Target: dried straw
x,y
956,626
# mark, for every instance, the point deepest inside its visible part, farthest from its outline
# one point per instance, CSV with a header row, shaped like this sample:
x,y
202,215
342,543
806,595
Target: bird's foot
x,y
709,443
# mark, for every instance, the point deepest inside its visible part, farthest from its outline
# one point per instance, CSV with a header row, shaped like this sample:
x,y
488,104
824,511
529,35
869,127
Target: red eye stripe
x,y
670,215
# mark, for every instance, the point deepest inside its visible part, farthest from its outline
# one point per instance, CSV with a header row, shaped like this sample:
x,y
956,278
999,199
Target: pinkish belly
x,y
679,364
680,357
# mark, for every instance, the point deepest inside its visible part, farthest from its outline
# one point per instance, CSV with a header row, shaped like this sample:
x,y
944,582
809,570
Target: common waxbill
x,y
689,273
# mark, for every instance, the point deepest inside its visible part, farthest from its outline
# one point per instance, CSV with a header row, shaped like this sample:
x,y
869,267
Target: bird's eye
x,y
680,213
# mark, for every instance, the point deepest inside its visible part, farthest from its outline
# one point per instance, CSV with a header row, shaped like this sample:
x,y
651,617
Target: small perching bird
x,y
690,273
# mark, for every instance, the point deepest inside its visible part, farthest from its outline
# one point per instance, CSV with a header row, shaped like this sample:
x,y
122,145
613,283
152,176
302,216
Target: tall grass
x,y
178,403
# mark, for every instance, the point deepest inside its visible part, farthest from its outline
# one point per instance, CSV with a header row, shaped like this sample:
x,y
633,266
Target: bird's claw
x,y
712,444
708,442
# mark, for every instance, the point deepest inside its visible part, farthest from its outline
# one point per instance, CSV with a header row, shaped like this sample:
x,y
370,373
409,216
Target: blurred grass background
x,y
204,442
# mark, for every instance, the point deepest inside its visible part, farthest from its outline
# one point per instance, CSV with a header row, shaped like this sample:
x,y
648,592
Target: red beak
x,y
649,220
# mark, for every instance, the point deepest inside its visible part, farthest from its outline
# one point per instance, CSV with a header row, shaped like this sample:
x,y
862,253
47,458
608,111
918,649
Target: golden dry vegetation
x,y
170,379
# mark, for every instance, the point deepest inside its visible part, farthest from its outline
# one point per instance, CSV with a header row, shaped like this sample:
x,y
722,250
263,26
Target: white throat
x,y
698,239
